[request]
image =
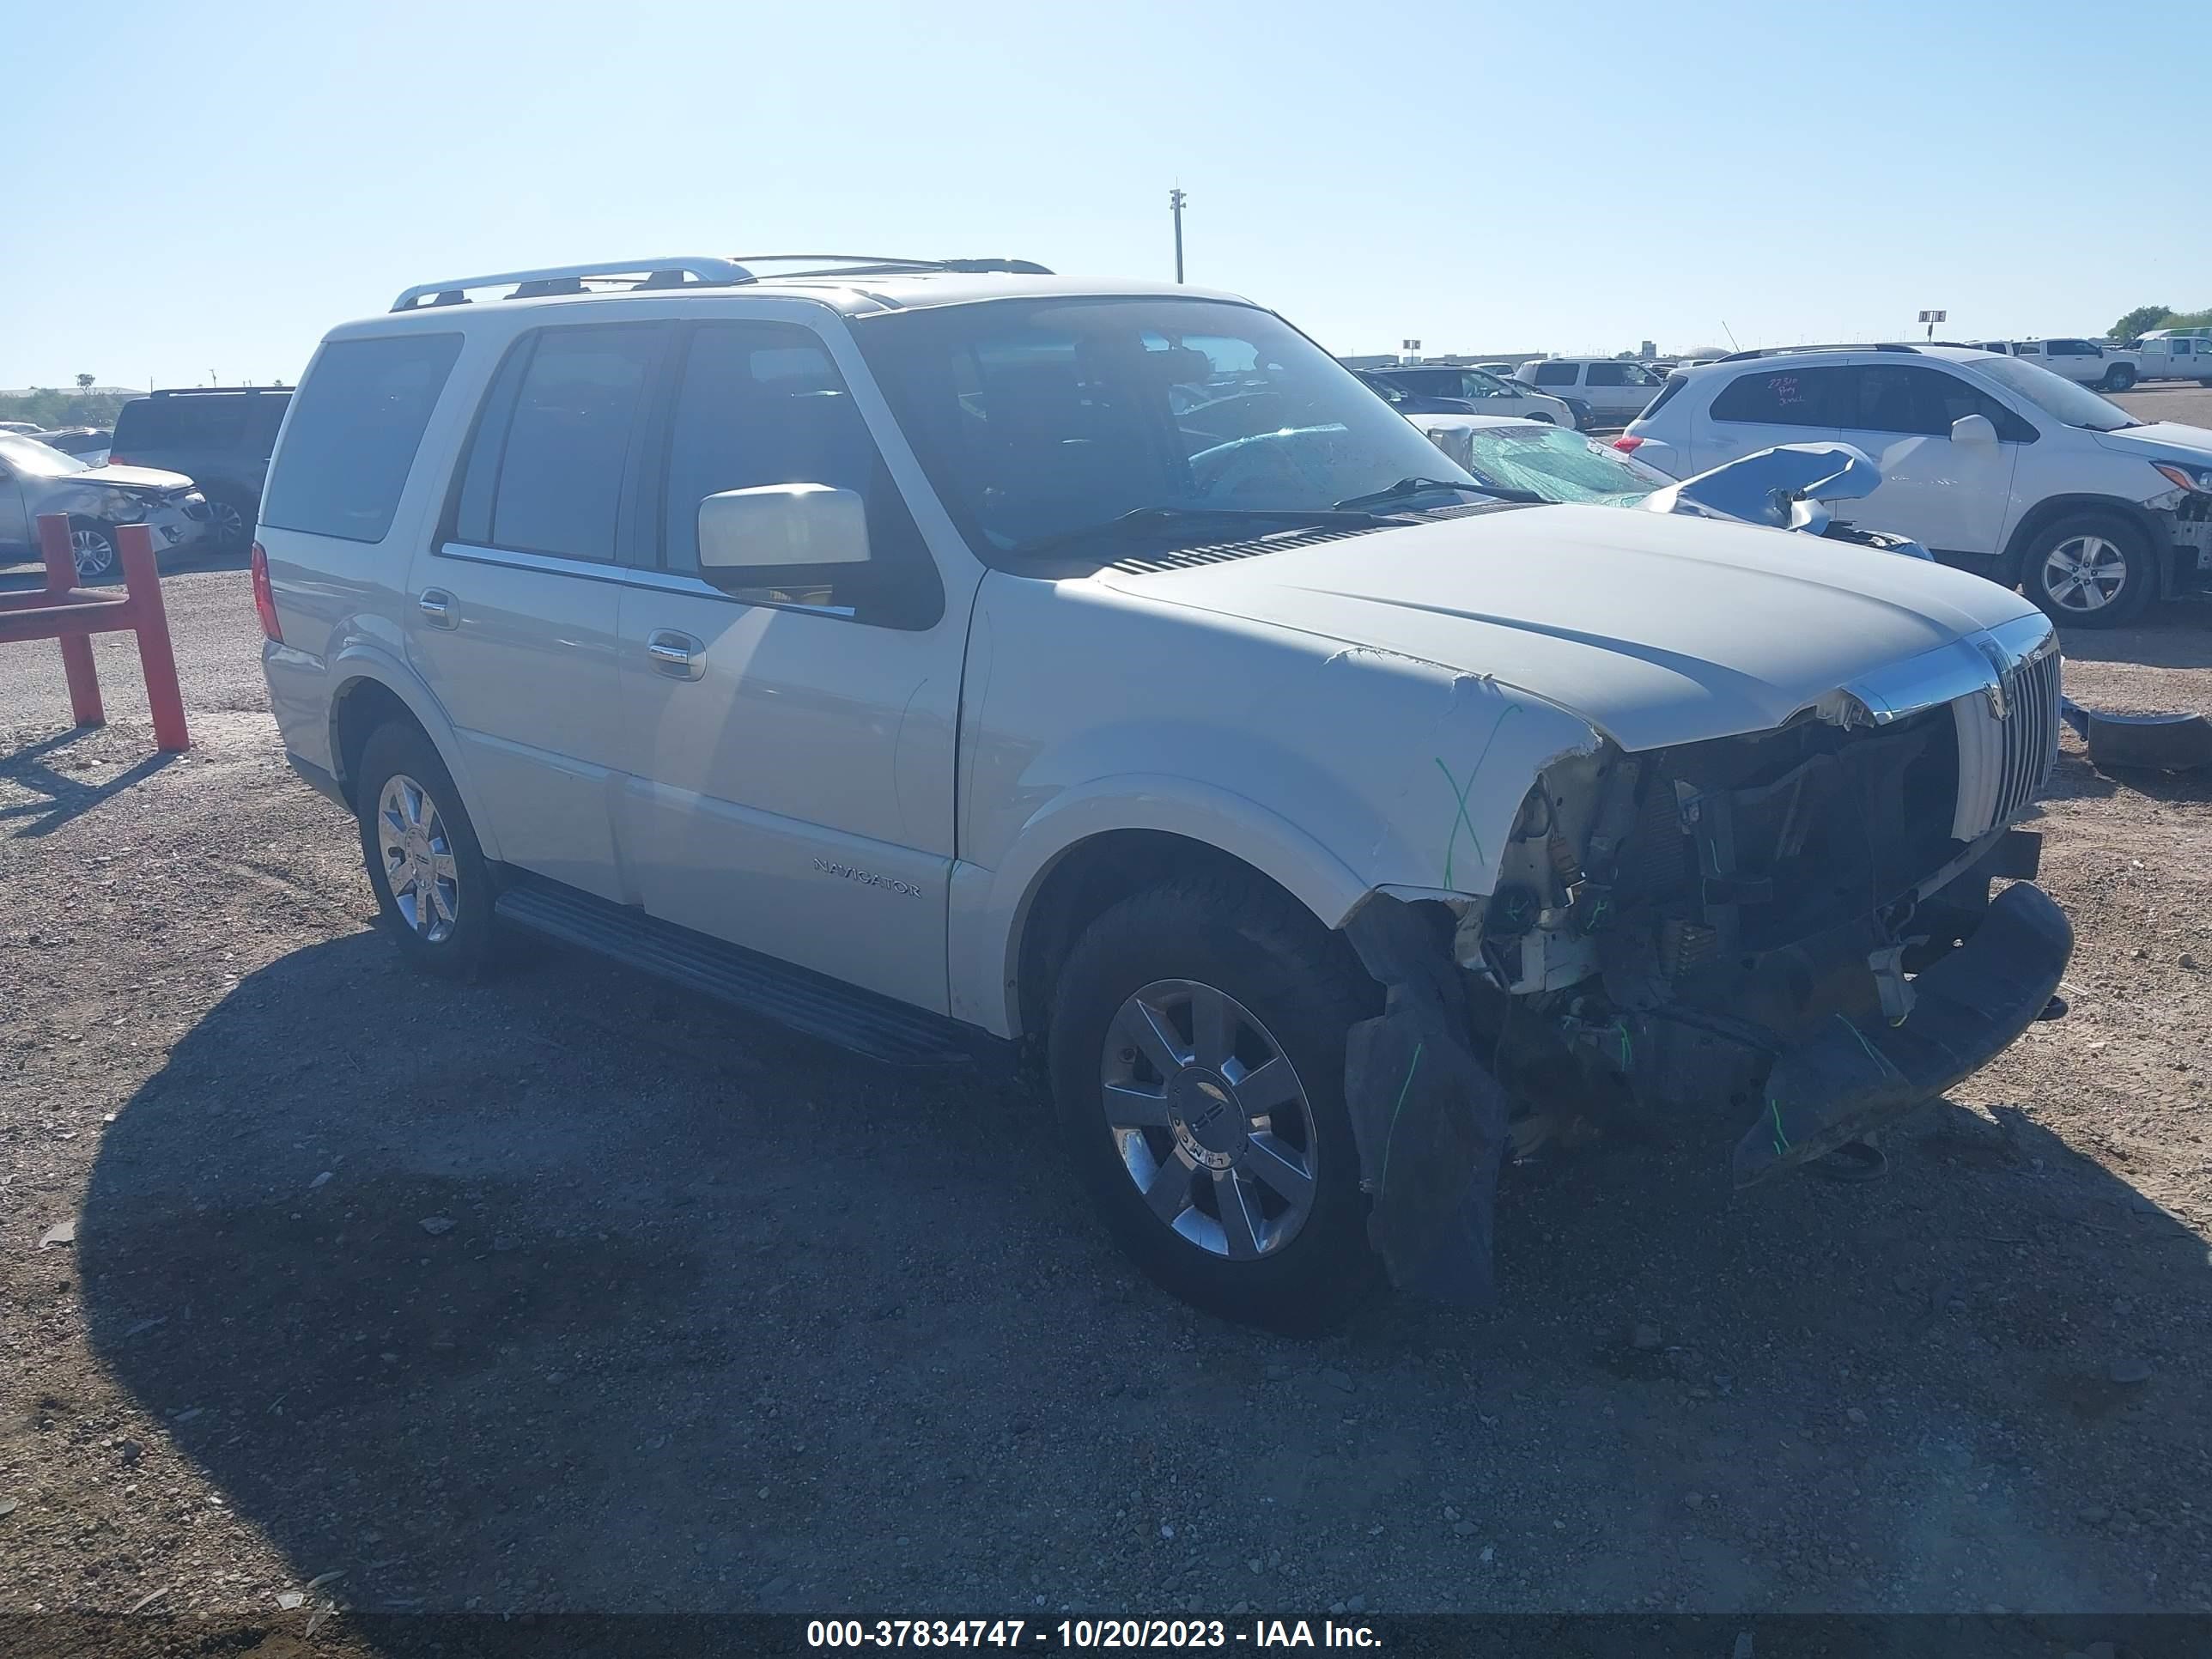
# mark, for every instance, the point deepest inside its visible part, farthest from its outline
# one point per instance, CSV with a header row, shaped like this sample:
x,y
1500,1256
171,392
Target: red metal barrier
x,y
64,611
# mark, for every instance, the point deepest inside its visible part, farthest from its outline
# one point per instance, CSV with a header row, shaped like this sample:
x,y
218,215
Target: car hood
x,y
133,477
2161,439
1656,629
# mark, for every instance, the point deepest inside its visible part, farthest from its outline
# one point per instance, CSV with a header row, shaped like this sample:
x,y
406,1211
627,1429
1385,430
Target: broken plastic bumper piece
x,y
1966,1009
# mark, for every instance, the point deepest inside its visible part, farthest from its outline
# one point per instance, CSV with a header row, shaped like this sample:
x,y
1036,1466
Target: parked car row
x,y
188,463
936,654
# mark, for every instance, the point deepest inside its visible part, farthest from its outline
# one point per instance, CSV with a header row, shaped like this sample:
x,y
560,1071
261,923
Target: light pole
x,y
1176,199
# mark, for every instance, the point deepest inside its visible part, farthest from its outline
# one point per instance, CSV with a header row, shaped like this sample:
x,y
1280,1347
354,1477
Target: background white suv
x,y
2087,362
1614,389
1991,463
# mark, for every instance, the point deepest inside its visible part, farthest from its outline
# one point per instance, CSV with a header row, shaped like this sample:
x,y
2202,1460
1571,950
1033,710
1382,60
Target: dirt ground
x,y
564,1290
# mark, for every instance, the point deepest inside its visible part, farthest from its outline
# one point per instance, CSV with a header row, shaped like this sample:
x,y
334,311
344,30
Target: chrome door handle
x,y
437,605
676,655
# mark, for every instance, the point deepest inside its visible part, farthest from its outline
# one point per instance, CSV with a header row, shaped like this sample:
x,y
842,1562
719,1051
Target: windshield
x,y
1550,461
2054,394
1036,419
36,461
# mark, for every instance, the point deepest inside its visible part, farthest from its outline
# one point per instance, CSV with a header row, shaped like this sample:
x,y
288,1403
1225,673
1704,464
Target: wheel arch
x,y
368,693
2048,511
1086,853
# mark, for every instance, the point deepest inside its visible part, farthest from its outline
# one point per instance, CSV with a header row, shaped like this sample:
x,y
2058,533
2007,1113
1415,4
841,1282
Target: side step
x,y
862,1021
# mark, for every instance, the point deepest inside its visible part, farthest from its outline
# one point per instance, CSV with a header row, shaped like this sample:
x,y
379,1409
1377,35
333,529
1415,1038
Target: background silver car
x,y
36,478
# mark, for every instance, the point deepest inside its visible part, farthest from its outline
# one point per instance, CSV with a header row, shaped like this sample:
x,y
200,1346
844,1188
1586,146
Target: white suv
x,y
929,654
1993,464
1614,389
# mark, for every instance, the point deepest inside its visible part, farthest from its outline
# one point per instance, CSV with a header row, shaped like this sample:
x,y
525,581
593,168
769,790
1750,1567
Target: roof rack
x,y
690,270
219,391
1846,345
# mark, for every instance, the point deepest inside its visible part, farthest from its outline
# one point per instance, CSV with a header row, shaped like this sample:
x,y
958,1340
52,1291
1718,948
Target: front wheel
x,y
2092,570
230,527
93,551
1540,417
1197,1056
432,884
2118,378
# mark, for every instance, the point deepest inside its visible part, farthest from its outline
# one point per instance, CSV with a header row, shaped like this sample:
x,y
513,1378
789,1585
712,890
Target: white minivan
x,y
1991,463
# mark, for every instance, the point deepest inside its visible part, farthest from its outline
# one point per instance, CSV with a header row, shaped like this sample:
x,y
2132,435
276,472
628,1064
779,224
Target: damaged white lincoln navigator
x,y
915,651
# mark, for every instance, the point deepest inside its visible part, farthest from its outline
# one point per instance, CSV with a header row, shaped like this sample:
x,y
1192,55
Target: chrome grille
x,y
2007,741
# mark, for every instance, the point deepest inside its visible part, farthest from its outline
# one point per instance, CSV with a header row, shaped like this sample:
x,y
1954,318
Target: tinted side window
x,y
560,470
1555,373
203,422
1943,399
1789,397
353,438
762,403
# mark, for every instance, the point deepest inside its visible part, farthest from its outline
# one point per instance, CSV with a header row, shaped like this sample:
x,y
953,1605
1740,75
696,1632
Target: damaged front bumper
x,y
1855,1075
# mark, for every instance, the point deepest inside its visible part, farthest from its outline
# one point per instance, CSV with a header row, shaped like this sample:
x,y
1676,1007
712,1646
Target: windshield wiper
x,y
1407,488
1151,520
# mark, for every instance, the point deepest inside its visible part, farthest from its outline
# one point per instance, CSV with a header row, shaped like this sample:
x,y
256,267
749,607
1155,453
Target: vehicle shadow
x,y
60,796
2176,633
568,1292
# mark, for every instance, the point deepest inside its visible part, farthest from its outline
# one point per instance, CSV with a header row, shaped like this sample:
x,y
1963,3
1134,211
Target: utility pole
x,y
1176,199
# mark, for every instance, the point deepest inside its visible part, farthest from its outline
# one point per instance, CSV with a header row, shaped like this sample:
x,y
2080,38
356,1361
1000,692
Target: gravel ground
x,y
564,1290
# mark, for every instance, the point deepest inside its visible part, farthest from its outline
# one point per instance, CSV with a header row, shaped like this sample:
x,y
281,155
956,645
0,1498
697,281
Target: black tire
x,y
99,558
2206,383
231,526
462,948
1541,418
1246,939
2118,378
2112,608
1580,411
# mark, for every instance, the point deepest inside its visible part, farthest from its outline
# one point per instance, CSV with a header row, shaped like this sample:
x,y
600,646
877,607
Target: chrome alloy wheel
x,y
418,858
94,553
1210,1118
2084,573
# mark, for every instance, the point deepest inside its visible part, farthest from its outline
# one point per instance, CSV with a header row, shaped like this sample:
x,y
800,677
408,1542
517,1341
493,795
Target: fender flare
x,y
1213,817
363,660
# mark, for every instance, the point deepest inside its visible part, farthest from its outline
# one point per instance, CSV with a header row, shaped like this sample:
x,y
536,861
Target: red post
x,y
76,649
142,579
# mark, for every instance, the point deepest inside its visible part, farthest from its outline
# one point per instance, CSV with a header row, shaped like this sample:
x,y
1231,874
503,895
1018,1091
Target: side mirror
x,y
752,537
1974,430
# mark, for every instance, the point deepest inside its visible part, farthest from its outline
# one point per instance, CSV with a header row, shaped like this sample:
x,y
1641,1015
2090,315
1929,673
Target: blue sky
x,y
211,195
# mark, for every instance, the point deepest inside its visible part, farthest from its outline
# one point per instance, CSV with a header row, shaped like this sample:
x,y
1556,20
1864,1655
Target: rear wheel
x,y
2090,569
1197,1056
2118,378
427,872
229,528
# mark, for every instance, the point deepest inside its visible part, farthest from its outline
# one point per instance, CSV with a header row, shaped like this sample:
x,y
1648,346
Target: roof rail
x,y
683,272
216,391
854,265
1847,345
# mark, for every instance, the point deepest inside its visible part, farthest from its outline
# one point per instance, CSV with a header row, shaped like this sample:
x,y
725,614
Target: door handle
x,y
678,656
437,605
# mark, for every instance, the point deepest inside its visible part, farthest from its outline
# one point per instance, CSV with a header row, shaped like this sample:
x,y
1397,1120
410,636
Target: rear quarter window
x,y
1556,373
356,422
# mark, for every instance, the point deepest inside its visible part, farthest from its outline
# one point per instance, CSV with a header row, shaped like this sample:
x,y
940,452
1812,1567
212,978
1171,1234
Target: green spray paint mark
x,y
1391,1137
1872,1053
1461,821
1781,1140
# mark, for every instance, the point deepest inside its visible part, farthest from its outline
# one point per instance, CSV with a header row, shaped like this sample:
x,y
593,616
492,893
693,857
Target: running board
x,y
895,1033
